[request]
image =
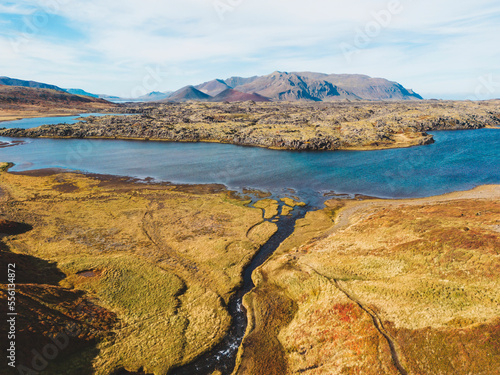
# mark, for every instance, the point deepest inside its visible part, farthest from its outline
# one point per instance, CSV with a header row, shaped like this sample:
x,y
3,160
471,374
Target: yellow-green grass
x,y
313,225
292,202
164,259
286,210
269,206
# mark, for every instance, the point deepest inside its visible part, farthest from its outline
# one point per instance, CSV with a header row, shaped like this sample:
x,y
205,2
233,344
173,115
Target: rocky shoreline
x,y
290,126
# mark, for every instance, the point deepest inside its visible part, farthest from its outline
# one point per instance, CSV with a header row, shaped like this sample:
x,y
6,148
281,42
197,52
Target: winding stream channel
x,y
223,356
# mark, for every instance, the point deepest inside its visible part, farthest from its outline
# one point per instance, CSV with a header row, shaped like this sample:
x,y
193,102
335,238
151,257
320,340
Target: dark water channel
x,y
223,356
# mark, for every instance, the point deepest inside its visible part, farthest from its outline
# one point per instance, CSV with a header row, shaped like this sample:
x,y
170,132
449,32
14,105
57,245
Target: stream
x,y
223,356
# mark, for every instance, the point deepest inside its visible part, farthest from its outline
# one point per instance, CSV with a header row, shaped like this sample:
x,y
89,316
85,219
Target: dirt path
x,y
358,210
347,214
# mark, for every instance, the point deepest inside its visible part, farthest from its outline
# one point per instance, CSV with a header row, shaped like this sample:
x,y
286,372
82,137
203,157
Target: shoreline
x,y
45,115
297,126
416,142
424,142
353,206
111,185
56,114
123,180
301,259
11,143
356,198
17,118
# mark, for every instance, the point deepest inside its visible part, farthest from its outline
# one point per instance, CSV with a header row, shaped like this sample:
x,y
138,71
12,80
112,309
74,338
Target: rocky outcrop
x,y
297,126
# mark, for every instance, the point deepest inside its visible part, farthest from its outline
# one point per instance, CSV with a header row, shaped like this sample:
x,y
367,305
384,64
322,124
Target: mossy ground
x,y
160,260
421,276
365,125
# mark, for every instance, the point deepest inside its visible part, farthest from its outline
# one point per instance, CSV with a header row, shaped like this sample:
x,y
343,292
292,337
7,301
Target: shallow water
x,y
458,160
28,123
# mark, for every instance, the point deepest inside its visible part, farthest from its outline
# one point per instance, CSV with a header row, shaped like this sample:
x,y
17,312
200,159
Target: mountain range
x,y
301,86
277,86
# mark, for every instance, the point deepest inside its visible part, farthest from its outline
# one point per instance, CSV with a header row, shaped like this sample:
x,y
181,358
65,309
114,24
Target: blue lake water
x,y
28,123
459,160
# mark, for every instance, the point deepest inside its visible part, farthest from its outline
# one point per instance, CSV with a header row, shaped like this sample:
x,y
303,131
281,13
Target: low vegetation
x,y
137,277
152,265
392,287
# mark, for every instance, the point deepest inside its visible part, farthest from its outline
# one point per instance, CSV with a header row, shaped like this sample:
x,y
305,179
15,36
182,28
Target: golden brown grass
x,y
11,115
425,271
163,259
269,206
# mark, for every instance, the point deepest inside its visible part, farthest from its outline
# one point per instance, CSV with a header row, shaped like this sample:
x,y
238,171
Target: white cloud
x,y
17,9
433,47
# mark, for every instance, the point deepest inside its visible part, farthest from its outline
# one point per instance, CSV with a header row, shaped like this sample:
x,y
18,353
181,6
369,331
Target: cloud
x,y
434,47
13,8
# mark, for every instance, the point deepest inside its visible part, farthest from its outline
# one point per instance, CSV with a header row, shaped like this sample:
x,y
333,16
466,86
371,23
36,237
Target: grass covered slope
x,y
395,287
160,261
24,102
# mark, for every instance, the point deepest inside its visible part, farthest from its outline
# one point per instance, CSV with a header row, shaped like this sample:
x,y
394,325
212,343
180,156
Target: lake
x,y
458,160
28,123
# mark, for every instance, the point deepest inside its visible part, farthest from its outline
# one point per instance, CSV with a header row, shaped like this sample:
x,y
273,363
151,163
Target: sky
x,y
447,49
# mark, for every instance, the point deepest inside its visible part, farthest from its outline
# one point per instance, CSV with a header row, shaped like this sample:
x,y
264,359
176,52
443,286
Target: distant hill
x,y
326,87
291,87
231,95
366,87
81,92
109,97
39,85
297,86
154,96
213,87
239,81
187,93
19,82
277,86
30,98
